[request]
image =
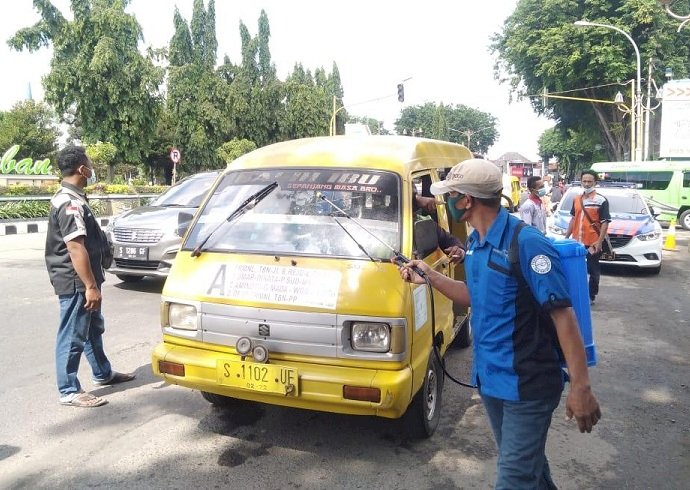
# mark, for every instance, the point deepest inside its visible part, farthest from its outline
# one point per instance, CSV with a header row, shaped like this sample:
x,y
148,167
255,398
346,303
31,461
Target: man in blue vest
x,y
521,334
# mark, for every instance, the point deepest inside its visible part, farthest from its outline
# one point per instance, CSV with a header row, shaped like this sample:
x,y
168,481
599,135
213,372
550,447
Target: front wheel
x,y
424,413
218,400
684,219
464,337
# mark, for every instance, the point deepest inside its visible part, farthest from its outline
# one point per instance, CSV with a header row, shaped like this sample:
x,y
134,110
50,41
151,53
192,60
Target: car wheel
x,y
684,219
424,413
218,400
126,278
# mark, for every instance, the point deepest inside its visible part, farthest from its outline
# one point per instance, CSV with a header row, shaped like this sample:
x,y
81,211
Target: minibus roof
x,y
400,154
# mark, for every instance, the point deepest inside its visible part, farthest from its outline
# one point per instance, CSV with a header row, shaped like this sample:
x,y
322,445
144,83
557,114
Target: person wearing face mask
x,y
589,225
533,211
73,259
522,321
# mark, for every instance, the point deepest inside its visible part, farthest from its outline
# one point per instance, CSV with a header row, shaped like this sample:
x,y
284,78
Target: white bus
x,y
665,184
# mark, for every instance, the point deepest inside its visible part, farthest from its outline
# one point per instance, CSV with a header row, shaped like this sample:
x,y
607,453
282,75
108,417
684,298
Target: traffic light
x,y
401,93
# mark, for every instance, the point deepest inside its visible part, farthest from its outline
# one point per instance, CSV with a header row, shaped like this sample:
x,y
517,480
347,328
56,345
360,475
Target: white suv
x,y
634,232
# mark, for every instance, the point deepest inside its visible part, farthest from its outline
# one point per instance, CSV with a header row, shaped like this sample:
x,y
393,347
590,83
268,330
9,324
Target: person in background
x,y
533,211
521,333
73,259
589,225
558,191
450,244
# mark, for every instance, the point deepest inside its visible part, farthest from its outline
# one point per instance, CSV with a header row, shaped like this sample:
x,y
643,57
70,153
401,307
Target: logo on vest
x,y
541,264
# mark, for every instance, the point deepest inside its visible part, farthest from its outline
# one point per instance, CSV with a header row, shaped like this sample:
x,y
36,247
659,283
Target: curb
x,y
35,226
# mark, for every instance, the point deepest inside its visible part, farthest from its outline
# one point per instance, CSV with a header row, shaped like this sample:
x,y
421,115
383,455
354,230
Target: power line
x,y
584,88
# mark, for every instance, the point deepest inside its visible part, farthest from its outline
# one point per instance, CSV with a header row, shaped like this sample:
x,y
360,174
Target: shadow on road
x,y
146,285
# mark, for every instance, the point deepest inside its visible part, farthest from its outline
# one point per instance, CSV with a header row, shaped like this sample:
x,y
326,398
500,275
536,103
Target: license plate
x,y
268,378
135,253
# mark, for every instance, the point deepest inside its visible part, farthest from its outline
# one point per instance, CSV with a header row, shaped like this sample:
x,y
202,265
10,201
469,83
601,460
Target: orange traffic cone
x,y
670,242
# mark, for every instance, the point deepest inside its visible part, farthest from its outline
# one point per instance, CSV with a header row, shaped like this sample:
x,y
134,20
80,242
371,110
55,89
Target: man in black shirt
x,y
73,259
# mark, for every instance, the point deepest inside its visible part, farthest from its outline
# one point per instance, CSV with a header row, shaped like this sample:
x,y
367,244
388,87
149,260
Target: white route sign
x,y
275,284
675,120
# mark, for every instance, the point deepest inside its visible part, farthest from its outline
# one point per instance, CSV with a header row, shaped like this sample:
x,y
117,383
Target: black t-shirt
x,y
71,217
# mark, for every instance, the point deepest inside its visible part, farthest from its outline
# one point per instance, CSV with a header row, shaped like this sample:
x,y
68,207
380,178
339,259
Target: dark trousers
x,y
594,271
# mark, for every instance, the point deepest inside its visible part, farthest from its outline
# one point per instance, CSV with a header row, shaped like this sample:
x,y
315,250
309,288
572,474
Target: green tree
x,y
375,126
103,157
575,151
334,88
233,149
157,166
460,121
540,48
180,50
440,129
97,69
198,100
32,126
307,112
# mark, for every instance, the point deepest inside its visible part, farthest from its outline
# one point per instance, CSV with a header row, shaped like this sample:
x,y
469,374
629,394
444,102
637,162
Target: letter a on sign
x,y
175,155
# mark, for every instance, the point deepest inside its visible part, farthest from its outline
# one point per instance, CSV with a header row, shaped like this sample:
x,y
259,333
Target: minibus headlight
x,y
652,235
371,337
182,317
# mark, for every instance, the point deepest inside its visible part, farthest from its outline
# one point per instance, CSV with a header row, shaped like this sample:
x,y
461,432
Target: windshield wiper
x,y
249,203
361,247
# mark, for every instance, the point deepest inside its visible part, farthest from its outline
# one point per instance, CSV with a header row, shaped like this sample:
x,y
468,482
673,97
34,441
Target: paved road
x,y
152,435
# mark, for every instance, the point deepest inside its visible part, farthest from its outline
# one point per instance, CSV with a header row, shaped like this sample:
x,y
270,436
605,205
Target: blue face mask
x,y
541,192
455,214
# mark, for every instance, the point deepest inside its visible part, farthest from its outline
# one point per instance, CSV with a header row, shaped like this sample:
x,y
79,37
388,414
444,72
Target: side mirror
x,y
425,237
183,222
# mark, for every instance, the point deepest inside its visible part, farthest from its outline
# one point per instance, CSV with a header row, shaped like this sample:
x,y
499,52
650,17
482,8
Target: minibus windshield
x,y
295,220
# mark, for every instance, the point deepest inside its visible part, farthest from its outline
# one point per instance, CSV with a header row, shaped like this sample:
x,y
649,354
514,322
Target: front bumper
x,y
131,268
320,384
638,253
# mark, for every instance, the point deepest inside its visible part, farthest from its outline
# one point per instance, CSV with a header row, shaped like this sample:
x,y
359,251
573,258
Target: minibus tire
x,y
464,337
424,413
218,400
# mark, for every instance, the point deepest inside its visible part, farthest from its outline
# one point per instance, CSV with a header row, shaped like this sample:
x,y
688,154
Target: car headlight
x,y
371,337
557,230
182,317
652,235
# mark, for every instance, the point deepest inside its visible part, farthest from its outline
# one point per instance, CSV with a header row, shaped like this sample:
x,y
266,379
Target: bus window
x,y
686,179
655,181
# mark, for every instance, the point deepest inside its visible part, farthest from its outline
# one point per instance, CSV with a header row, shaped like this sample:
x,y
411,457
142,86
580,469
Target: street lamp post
x,y
667,6
637,103
468,133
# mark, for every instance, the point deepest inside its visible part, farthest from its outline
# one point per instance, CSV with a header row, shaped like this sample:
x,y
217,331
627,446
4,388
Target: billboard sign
x,y
675,120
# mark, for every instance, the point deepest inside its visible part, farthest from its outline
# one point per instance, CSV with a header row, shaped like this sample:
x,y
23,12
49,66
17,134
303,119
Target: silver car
x,y
145,239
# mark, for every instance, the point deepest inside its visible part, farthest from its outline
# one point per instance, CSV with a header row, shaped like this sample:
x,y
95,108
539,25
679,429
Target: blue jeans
x,y
520,430
80,331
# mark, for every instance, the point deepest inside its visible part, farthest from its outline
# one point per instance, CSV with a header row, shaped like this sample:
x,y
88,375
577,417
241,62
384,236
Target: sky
x,y
441,46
